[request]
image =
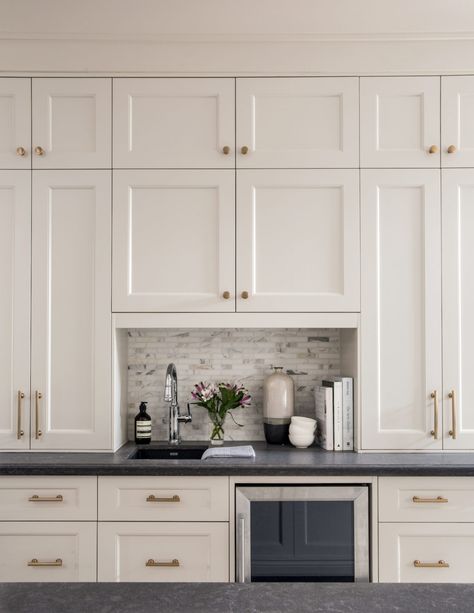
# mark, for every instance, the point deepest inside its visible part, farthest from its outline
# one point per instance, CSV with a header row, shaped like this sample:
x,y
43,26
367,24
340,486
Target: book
x,y
336,386
346,385
324,417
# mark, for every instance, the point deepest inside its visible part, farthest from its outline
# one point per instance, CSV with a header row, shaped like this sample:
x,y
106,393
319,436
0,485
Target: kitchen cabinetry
x,y
457,121
15,123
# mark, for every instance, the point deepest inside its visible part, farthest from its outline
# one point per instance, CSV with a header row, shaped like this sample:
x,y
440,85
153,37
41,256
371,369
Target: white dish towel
x,y
241,451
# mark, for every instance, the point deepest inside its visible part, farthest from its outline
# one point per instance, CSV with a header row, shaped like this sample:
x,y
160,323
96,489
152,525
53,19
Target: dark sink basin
x,y
168,453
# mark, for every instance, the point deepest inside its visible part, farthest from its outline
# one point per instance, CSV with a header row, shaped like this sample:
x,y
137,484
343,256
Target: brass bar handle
x,y
36,562
438,564
153,498
439,499
19,431
38,397
173,564
434,432
37,498
453,431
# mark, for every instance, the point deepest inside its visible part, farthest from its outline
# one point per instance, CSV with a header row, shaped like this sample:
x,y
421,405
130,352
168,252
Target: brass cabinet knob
x,y
39,151
244,150
21,151
226,295
451,149
245,295
433,149
226,150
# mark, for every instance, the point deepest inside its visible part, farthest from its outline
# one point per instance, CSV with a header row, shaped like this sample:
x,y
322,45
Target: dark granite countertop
x,y
236,598
269,460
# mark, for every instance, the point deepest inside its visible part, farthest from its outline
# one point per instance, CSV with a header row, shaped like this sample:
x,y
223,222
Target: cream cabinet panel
x,y
72,123
457,121
71,320
15,123
48,498
426,553
298,122
458,306
399,122
164,498
174,123
174,234
164,552
15,262
298,240
401,310
44,551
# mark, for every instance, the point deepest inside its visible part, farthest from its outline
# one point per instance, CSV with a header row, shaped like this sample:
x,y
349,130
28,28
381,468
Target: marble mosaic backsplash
x,y
224,354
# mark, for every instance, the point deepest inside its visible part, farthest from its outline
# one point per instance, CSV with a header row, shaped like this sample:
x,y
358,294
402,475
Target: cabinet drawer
x,y
47,551
425,499
443,553
48,498
163,552
164,498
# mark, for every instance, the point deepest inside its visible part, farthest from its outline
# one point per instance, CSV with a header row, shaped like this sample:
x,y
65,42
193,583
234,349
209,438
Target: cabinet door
x,y
15,262
174,123
458,306
399,122
72,123
401,309
174,240
457,121
298,240
298,122
15,123
71,320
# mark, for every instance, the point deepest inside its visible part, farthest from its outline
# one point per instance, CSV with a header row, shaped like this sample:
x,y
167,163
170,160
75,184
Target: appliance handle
x,y
241,559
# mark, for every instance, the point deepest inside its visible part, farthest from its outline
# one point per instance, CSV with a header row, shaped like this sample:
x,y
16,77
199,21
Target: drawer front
x,y
164,498
426,553
424,499
164,551
59,551
48,498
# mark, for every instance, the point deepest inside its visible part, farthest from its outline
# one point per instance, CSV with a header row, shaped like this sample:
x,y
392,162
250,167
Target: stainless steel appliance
x,y
302,533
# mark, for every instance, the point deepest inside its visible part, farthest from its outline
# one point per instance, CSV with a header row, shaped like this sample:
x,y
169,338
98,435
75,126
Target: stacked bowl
x,y
302,431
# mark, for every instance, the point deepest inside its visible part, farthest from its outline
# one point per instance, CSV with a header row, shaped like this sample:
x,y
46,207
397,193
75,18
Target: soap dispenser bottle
x,y
142,426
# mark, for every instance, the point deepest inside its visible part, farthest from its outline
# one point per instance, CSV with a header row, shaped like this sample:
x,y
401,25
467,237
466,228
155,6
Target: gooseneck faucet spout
x,y
171,396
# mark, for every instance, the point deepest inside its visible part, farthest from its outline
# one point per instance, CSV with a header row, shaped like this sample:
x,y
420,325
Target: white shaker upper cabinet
x,y
15,123
399,122
71,320
297,122
457,123
72,123
174,123
15,246
401,391
458,308
174,240
298,240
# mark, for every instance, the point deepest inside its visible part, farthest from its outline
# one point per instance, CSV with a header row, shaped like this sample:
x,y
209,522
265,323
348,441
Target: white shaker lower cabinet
x,y
48,551
174,236
298,240
15,262
401,391
164,551
71,320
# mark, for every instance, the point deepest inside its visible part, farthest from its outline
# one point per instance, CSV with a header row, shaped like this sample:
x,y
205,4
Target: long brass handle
x,y
37,498
453,431
174,563
430,500
438,564
36,562
19,431
153,498
38,396
434,432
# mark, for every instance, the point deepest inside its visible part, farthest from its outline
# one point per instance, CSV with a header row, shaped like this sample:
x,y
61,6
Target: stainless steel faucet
x,y
171,396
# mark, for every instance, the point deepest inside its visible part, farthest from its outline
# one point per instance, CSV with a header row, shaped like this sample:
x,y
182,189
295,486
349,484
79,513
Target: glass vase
x,y
217,429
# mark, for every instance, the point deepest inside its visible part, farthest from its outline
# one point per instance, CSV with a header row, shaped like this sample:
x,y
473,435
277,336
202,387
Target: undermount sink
x,y
168,453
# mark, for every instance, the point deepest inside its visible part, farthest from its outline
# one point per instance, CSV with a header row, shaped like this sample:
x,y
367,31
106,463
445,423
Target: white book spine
x,y
348,414
337,412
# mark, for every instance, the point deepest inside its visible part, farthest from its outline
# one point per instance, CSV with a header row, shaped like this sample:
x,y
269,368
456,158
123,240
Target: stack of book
x,y
334,401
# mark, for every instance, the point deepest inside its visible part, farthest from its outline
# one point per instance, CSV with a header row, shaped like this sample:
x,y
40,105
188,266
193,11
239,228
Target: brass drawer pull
x,y
434,396
437,499
19,431
438,564
35,562
453,431
173,564
38,397
37,498
152,498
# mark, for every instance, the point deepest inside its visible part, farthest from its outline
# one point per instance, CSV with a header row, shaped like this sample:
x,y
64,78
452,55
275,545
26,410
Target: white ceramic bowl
x,y
301,431
303,422
301,442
